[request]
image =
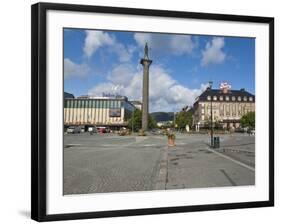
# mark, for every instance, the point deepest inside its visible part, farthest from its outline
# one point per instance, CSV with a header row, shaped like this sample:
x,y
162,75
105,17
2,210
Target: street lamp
x,y
133,118
212,128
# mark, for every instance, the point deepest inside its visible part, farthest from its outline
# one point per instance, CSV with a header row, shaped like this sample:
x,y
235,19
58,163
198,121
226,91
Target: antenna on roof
x,y
210,84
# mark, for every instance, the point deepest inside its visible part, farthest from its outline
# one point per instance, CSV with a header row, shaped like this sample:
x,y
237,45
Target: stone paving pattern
x,y
109,163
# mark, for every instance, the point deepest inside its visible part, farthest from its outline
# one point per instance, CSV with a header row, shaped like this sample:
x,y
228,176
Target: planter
x,y
171,141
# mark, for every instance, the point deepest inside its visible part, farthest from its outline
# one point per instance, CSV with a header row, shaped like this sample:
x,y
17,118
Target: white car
x,y
73,130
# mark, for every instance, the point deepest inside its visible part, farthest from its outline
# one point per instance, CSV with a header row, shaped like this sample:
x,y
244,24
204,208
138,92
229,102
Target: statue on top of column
x,y
146,51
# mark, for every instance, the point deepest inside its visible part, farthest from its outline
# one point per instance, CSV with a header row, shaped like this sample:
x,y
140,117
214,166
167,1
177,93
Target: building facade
x,y
137,104
228,106
113,112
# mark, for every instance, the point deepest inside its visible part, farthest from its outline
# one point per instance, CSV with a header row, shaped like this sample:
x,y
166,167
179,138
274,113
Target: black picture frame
x,y
39,114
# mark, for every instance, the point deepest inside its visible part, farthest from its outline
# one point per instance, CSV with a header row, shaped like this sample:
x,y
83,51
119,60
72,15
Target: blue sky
x,y
108,61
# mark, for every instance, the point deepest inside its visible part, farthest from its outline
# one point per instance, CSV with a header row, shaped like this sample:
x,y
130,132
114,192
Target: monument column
x,y
146,62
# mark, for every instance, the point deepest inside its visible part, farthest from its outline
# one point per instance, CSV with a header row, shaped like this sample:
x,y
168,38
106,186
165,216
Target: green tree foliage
x,y
248,120
183,118
151,122
135,121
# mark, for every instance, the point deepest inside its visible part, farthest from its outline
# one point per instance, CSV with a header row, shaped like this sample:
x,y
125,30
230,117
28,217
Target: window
x,y
202,117
118,103
215,98
245,98
239,98
106,103
227,98
221,98
115,103
251,98
221,110
202,111
208,97
240,110
233,98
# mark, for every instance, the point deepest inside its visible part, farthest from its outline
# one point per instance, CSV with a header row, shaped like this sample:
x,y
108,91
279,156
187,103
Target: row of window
x,y
233,98
228,114
90,103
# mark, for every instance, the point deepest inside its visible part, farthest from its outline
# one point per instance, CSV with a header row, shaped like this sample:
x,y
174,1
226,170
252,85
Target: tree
x,y
151,122
184,118
135,121
248,120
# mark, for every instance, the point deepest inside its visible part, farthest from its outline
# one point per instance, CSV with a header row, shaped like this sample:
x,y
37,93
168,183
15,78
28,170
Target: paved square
x,y
111,163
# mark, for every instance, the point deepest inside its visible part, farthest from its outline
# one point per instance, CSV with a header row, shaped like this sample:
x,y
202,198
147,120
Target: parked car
x,y
240,130
92,130
73,130
101,129
251,131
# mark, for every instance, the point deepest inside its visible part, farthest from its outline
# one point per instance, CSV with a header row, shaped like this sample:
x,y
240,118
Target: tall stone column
x,y
146,62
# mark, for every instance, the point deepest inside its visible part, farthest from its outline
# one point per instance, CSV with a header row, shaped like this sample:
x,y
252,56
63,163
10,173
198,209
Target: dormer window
x,y
227,98
251,98
215,98
208,97
245,98
221,98
239,98
233,98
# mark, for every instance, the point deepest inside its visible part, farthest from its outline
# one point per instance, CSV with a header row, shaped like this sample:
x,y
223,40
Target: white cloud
x,y
213,53
123,54
165,93
171,44
121,74
96,39
72,69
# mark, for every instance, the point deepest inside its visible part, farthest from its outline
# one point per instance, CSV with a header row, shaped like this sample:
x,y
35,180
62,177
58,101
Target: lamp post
x,y
212,128
133,120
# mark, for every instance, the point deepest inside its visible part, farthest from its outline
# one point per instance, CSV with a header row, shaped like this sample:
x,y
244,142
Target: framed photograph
x,y
139,111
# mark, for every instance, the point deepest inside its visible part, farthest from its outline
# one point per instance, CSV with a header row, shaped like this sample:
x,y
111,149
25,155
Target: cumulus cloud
x,y
165,93
122,74
171,44
72,69
213,53
96,39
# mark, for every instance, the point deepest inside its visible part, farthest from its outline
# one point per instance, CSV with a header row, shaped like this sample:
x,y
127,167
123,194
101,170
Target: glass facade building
x,y
113,112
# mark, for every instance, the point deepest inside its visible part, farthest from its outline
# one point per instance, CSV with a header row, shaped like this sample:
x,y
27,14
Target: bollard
x,y
216,142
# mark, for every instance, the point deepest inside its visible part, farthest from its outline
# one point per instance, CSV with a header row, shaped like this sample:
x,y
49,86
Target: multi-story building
x,y
228,106
111,111
137,104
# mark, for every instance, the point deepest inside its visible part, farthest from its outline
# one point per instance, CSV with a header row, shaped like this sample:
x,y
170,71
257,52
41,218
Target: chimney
x,y
225,90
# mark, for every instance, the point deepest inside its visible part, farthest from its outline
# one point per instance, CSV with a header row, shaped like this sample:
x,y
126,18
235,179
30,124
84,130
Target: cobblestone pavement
x,y
196,166
110,163
106,163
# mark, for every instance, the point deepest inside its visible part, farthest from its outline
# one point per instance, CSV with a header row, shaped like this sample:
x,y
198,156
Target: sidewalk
x,y
194,165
